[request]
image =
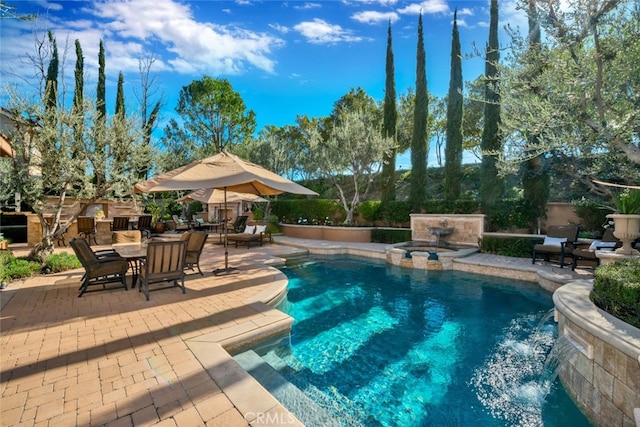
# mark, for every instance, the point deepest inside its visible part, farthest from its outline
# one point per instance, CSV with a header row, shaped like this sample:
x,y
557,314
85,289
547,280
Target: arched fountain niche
x,y
436,240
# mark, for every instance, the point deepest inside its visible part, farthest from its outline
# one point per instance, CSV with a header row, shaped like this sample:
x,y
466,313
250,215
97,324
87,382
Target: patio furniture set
x,y
151,263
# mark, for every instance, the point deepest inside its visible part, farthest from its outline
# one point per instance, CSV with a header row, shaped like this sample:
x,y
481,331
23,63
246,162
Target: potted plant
x,y
156,217
99,215
626,220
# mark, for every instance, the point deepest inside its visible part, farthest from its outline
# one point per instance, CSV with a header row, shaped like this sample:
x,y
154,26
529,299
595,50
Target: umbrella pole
x,y
226,270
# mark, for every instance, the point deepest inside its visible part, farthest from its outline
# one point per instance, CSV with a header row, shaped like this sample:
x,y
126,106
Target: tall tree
x,y
101,105
419,139
491,184
214,118
536,183
51,97
148,118
453,151
585,107
46,140
120,108
390,113
349,155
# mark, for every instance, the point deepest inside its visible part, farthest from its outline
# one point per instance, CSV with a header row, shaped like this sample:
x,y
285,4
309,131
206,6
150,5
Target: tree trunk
x,y
41,250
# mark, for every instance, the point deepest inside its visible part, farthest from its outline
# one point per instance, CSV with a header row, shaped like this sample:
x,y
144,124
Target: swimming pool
x,y
378,345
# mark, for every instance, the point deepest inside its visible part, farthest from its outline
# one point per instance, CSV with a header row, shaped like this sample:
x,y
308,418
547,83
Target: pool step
x,y
290,396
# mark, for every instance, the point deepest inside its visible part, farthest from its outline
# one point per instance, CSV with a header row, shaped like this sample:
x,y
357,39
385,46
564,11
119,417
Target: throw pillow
x,y
200,220
250,229
554,241
261,229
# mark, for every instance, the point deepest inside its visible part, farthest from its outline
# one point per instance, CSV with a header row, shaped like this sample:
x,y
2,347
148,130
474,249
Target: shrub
x,y
520,247
592,215
508,213
62,262
616,290
369,210
394,212
18,268
194,208
390,235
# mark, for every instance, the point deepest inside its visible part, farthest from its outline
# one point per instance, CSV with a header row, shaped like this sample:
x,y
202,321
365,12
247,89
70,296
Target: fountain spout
x,y
438,232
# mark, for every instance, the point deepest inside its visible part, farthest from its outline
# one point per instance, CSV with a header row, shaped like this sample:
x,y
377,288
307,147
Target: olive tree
x,y
579,92
353,147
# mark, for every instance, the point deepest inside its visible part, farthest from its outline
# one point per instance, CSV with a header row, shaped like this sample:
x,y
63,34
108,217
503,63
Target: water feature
x,y
390,346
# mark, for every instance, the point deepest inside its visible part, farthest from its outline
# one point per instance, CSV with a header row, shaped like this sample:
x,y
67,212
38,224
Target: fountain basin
x,y
425,256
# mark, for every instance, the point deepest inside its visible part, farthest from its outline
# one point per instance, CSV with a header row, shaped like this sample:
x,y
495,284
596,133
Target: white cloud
x,y
465,11
373,17
426,7
307,6
195,47
380,2
320,31
280,28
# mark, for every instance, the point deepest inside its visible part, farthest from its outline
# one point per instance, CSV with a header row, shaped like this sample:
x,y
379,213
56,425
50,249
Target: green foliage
x,y
155,210
390,113
314,211
519,247
627,202
369,210
419,139
62,262
593,215
453,148
380,235
508,213
438,206
616,290
173,208
194,208
16,268
491,185
395,212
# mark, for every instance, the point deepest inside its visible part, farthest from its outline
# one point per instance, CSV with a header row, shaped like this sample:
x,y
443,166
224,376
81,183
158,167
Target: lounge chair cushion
x,y
599,244
554,241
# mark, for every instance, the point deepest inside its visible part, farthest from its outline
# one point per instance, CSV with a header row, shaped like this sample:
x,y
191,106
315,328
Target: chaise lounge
x,y
558,244
251,234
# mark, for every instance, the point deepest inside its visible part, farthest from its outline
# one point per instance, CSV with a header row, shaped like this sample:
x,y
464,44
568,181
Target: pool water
x,y
380,345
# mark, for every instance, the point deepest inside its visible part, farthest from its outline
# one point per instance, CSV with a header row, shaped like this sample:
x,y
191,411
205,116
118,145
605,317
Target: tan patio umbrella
x,y
214,195
227,172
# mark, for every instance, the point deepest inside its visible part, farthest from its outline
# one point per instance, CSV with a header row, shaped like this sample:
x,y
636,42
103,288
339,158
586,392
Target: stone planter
x,y
159,227
627,229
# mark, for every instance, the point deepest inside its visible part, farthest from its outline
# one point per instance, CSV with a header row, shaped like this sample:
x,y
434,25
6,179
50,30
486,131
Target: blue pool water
x,y
378,345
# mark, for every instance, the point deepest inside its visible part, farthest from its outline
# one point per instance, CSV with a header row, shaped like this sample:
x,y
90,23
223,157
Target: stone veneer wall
x,y
467,229
604,377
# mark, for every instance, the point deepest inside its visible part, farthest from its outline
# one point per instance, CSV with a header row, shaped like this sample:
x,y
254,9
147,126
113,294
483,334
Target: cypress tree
x,y
101,106
389,125
51,84
418,180
119,110
535,177
101,97
491,185
78,91
453,150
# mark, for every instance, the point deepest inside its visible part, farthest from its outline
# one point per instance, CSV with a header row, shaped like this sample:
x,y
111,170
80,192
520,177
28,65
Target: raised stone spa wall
x,y
604,377
331,233
467,229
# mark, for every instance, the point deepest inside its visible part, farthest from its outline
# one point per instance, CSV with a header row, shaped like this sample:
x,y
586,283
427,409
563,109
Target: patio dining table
x,y
134,253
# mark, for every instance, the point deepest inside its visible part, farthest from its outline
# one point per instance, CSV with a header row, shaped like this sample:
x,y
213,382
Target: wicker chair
x,y
164,264
99,270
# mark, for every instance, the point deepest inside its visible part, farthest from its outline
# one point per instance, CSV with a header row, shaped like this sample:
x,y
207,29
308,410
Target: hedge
x,y
616,290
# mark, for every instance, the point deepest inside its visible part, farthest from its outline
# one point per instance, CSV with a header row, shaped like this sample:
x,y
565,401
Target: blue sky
x,y
286,58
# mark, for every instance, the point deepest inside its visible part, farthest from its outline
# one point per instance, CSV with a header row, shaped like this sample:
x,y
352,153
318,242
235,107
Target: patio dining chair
x,y
195,244
163,264
144,225
87,228
99,270
120,223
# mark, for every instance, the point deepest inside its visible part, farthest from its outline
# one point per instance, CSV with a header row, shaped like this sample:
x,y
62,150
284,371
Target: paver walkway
x,y
112,358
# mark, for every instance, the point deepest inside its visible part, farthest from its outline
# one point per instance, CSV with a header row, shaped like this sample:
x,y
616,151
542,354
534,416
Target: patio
x,y
112,358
